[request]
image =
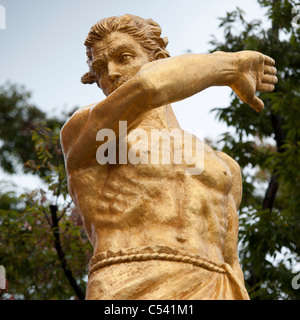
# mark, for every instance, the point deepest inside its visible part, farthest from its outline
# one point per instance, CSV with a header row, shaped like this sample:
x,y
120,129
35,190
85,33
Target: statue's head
x,y
117,47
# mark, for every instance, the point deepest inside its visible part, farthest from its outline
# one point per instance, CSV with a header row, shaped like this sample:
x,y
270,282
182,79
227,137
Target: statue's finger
x,y
270,70
269,61
269,79
257,104
265,87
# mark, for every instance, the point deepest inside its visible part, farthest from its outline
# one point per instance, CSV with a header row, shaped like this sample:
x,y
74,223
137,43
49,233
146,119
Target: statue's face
x,y
116,59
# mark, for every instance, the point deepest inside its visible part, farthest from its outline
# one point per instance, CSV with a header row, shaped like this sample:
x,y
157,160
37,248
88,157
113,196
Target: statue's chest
x,y
173,153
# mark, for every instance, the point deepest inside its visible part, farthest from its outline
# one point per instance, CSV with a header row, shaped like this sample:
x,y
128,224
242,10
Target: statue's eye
x,y
125,57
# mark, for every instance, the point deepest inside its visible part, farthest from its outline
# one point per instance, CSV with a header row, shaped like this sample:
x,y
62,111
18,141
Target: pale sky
x,y
42,48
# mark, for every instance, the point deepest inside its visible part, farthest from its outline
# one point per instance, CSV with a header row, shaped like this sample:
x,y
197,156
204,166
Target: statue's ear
x,y
88,78
160,55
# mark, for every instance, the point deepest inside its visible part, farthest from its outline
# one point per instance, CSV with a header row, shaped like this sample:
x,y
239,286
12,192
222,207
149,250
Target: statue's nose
x,y
113,71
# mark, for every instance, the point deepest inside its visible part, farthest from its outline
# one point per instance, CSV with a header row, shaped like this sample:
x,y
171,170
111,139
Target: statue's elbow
x,y
153,92
147,89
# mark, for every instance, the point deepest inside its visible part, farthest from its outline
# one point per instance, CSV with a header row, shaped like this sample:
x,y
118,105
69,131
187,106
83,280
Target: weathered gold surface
x,y
158,232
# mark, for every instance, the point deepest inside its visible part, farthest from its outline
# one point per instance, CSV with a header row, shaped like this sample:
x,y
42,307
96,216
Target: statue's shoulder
x,y
75,122
84,110
79,115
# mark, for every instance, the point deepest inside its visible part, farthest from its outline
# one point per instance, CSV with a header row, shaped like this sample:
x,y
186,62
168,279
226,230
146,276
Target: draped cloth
x,y
161,273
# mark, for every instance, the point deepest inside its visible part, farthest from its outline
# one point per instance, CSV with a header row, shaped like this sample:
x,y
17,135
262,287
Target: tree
x,y
266,146
17,119
43,245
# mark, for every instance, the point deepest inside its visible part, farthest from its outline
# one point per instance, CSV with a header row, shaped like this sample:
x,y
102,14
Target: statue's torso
x,y
133,205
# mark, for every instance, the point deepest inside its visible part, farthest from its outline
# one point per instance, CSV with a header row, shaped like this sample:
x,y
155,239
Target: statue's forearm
x,y
177,78
162,82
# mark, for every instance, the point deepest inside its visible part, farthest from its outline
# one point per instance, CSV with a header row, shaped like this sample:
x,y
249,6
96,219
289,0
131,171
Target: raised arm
x,y
177,78
162,82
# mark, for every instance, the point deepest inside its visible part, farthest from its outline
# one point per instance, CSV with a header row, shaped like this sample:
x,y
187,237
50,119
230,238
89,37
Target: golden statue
x,y
158,230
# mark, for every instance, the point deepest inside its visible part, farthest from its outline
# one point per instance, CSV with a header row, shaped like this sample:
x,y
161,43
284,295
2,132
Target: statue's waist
x,y
157,252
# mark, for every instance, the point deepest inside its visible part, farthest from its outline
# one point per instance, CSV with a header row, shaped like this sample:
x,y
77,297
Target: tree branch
x,y
64,210
61,254
47,218
270,194
279,135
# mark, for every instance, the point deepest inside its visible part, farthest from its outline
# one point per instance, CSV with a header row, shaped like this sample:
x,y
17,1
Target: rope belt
x,y
108,258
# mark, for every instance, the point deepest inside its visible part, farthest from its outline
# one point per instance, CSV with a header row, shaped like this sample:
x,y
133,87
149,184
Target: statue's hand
x,y
255,72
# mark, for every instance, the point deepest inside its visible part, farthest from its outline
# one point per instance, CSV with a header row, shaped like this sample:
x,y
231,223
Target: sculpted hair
x,y
146,31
